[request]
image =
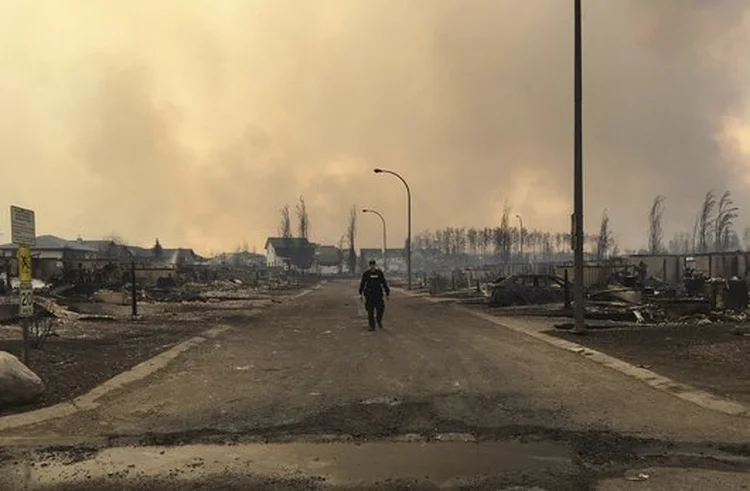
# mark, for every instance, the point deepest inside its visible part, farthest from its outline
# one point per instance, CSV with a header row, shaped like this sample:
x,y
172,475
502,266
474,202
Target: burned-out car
x,y
526,289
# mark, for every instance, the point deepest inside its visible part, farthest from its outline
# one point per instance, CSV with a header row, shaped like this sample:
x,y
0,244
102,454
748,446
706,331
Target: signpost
x,y
24,264
27,303
22,226
23,232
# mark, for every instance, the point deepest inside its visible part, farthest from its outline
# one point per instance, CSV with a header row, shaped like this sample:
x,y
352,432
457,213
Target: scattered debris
x,y
638,476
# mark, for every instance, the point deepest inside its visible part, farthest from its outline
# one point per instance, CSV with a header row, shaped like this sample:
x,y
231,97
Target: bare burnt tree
x,y
604,240
547,247
655,233
472,239
705,217
694,238
504,235
723,228
157,249
681,243
351,233
303,219
285,227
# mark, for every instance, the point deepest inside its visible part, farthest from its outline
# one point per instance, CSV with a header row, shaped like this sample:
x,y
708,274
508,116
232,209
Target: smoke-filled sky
x,y
195,121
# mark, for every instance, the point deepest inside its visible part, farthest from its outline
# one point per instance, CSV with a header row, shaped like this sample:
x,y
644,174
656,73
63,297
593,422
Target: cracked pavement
x,y
308,372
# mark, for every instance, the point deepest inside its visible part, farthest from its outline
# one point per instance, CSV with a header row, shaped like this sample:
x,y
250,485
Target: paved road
x,y
310,370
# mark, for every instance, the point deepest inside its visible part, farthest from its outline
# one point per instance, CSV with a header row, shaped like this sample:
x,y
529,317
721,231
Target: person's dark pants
x,y
375,309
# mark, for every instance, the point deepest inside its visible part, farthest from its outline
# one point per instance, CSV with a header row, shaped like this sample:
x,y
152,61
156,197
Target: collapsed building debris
x,y
526,289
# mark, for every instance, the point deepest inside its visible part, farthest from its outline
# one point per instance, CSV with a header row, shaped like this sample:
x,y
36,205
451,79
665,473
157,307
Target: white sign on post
x,y
22,226
27,302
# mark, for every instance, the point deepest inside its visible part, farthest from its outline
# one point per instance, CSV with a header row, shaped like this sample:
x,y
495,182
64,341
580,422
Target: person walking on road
x,y
373,287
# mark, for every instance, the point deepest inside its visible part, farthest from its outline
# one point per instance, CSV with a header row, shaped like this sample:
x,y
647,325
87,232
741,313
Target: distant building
x,y
50,255
108,250
289,253
328,260
395,259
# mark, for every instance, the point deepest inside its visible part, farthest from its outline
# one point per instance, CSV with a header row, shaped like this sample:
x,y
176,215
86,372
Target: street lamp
x,y
578,295
408,233
520,233
385,243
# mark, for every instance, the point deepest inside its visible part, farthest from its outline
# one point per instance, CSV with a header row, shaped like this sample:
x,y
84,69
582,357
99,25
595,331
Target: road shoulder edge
x,y
90,400
146,368
659,382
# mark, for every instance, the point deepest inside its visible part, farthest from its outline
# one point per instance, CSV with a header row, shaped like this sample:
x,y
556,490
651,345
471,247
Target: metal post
x,y
408,239
133,293
579,297
567,289
385,242
385,247
26,322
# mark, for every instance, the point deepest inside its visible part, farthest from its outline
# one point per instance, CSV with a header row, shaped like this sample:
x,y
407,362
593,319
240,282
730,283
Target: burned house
x,y
108,250
291,253
51,256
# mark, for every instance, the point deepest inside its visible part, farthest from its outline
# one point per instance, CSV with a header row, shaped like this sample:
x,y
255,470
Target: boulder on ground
x,y
18,384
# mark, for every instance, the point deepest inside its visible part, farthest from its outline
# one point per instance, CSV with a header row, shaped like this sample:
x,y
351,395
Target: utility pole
x,y
385,240
579,325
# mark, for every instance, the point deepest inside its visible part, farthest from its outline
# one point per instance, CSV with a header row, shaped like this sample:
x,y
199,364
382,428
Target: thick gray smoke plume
x,y
195,121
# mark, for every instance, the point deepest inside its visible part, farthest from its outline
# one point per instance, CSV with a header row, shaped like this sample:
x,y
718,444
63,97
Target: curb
x,y
685,392
90,400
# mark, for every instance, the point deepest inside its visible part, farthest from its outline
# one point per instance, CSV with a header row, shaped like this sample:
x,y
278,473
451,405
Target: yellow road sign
x,y
24,264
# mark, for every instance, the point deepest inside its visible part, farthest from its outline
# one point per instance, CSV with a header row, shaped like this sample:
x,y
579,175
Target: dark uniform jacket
x,y
373,284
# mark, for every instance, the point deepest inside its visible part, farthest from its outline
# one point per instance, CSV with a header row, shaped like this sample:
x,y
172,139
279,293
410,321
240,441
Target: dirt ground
x,y
84,354
71,366
710,357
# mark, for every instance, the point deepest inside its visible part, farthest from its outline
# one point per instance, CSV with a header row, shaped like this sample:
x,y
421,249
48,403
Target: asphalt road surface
x,y
304,397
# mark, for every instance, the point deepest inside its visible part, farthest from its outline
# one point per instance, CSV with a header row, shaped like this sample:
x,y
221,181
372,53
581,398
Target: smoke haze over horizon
x,y
195,121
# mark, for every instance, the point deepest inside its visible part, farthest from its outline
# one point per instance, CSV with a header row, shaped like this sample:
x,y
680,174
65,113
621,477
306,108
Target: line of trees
x,y
713,229
505,242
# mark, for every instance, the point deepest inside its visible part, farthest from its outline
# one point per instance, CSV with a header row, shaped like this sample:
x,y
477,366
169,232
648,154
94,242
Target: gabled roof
x,y
141,252
298,251
287,242
53,243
